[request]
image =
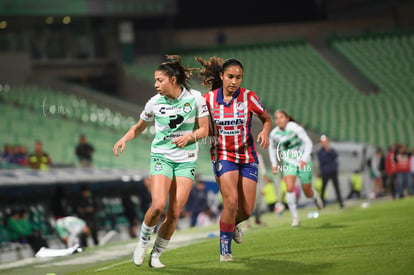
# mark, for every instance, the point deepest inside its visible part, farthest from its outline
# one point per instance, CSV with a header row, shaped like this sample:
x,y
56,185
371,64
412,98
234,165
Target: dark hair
x,y
231,62
287,115
173,67
213,68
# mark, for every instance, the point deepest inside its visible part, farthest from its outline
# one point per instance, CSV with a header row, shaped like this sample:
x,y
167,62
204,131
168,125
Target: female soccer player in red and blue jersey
x,y
233,151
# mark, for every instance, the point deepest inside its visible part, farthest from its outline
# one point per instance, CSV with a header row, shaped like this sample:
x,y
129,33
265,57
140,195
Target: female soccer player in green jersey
x,y
290,153
176,111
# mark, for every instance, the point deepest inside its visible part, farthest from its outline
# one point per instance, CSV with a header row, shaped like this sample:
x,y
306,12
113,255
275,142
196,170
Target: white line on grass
x,y
111,266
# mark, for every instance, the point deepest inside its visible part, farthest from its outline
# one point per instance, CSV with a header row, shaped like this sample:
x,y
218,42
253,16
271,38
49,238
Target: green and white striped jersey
x,y
291,145
69,226
174,118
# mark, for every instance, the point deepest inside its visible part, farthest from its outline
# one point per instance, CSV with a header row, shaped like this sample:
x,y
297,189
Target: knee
x,y
231,205
157,209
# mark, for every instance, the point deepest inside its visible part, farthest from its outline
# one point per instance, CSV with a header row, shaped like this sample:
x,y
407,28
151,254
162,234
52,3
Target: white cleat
x,y
237,234
139,253
295,223
226,258
154,261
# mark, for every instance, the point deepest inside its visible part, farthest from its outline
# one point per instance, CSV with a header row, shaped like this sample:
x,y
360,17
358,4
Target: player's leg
x,y
179,192
160,183
305,176
227,174
337,189
290,180
246,197
324,185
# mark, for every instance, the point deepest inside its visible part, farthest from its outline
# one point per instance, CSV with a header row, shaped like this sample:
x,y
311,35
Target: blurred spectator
x,y
19,155
269,194
39,159
72,230
197,201
130,212
21,230
412,166
6,155
391,169
356,185
403,171
86,209
376,174
328,165
84,152
213,202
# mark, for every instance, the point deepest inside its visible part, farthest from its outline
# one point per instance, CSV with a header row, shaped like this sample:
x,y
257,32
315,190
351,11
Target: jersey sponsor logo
x,y
175,120
204,109
229,122
172,136
165,109
147,115
230,132
162,111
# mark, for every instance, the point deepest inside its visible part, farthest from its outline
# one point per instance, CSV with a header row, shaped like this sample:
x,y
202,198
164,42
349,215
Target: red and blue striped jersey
x,y
231,123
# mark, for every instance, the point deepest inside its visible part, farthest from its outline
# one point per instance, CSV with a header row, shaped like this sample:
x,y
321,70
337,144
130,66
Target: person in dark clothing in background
x,y
130,212
197,201
86,209
59,203
84,152
328,165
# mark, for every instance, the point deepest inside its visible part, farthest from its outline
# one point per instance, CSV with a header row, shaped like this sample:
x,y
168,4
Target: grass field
x,y
374,240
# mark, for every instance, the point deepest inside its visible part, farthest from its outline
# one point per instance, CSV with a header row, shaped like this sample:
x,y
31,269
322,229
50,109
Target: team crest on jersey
x,y
158,166
187,108
241,106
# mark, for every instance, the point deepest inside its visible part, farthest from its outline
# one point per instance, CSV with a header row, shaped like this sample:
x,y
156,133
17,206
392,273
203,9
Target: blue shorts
x,y
247,170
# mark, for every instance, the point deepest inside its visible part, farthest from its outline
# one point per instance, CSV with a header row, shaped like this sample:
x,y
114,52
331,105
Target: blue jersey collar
x,y
220,97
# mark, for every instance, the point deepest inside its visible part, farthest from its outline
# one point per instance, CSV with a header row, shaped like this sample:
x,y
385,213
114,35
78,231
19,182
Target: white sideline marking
x,y
111,266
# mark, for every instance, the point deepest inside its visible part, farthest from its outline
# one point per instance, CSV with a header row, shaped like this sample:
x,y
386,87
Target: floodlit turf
x,y
374,240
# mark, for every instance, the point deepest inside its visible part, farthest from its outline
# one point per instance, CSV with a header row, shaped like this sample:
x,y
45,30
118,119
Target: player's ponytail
x,y
211,72
173,67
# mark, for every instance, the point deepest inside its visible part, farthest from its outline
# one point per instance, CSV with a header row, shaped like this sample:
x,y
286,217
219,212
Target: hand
x,y
121,144
274,170
302,164
182,141
264,140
